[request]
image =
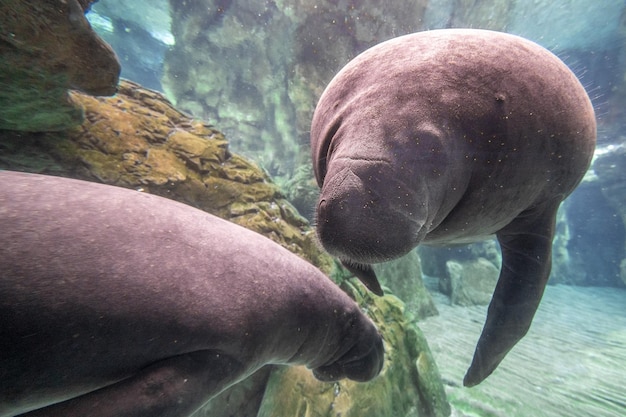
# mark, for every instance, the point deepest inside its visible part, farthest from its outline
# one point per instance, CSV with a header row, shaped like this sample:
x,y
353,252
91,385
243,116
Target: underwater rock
x,y
409,384
434,259
139,140
471,282
46,48
610,168
404,277
256,69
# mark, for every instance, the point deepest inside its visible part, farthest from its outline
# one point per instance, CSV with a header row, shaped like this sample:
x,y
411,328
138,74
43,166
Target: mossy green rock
x,y
404,277
47,47
409,384
472,282
139,140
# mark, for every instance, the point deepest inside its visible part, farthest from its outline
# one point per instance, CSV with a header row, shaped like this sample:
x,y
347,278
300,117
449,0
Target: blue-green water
x,y
256,69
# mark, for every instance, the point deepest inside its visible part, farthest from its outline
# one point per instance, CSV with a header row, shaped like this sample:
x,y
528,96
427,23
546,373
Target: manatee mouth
x,y
365,216
363,233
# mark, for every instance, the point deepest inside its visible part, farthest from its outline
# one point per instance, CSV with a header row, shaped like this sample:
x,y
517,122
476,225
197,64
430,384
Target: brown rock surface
x,y
139,140
47,47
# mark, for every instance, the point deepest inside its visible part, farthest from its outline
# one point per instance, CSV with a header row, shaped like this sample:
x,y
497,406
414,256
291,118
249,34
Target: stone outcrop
x,y
47,47
139,140
611,169
471,282
467,274
404,277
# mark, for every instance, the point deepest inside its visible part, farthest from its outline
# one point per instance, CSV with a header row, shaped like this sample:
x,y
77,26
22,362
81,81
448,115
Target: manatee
x,y
448,137
114,302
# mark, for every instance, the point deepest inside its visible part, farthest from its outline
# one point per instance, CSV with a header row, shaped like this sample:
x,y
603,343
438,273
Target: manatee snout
x,y
361,363
363,221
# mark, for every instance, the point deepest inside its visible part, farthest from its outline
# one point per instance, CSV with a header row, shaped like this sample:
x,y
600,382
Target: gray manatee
x,y
450,136
119,303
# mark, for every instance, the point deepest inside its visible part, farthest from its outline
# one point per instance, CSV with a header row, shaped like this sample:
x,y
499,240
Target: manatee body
x,y
119,303
450,136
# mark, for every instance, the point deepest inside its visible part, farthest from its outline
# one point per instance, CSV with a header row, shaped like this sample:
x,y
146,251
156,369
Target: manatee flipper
x,y
174,387
526,245
365,273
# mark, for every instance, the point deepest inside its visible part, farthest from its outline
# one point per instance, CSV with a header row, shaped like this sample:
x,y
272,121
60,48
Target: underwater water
x,y
253,71
573,361
570,363
256,69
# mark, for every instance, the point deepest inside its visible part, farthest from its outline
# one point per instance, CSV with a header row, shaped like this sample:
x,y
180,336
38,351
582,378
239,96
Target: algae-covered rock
x,y
404,277
409,384
46,47
139,140
472,282
257,68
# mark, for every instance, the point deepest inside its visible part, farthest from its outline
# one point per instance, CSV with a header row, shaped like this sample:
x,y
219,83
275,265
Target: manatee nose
x,y
333,224
322,210
356,223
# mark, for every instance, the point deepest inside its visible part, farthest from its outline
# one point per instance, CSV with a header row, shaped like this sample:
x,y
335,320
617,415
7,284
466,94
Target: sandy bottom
x,y
571,363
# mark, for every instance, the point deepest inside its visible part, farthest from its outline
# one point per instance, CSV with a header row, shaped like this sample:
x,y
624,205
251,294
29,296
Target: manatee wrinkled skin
x,y
117,303
450,136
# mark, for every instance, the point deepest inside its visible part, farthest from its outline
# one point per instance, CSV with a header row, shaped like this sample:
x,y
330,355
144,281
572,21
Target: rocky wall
x,y
611,168
257,68
47,47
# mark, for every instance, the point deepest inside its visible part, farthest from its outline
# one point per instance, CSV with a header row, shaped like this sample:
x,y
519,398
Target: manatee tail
x,y
365,273
526,246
